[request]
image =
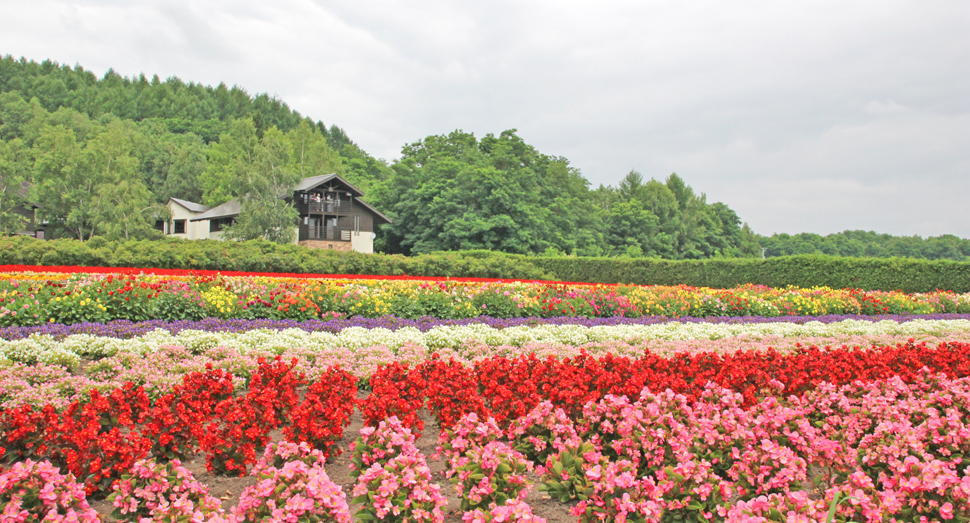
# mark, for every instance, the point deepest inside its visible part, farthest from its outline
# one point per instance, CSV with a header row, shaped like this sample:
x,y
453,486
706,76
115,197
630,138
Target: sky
x,y
803,115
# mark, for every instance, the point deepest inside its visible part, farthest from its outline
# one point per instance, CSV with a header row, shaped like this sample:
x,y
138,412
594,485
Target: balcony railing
x,y
322,232
330,207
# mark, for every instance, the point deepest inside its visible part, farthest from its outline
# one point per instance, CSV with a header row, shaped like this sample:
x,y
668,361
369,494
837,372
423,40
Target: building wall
x,y
331,245
193,230
363,242
366,218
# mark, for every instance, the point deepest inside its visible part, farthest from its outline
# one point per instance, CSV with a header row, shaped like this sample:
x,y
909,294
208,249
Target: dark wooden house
x,y
332,215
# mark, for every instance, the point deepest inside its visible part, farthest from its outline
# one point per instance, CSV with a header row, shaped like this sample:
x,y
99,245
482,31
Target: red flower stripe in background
x,y
76,269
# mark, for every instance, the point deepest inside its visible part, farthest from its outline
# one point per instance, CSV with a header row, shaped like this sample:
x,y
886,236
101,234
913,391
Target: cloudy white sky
x,y
802,115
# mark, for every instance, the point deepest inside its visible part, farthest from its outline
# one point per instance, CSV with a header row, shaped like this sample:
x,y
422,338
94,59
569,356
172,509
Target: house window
x,y
218,224
179,226
160,225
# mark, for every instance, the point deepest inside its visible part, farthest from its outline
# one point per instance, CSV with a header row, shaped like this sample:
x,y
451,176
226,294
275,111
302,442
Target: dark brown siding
x,y
366,217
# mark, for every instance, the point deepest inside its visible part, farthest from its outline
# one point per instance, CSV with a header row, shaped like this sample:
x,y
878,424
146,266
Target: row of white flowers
x,y
46,349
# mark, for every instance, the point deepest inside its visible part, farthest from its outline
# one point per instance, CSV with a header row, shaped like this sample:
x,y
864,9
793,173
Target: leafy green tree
x,y
457,192
312,154
362,169
71,177
695,224
14,170
669,220
170,163
140,98
647,213
266,180
748,246
575,220
631,228
84,127
867,243
14,114
63,188
128,211
123,203
186,159
20,119
229,161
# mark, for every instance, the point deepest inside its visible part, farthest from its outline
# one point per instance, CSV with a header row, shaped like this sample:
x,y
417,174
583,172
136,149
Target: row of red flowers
x,y
74,269
506,389
99,438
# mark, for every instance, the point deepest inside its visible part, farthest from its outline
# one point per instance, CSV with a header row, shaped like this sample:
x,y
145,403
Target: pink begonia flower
x,y
946,510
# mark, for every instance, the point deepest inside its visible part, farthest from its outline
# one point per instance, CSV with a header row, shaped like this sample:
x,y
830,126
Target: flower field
x,y
33,298
639,404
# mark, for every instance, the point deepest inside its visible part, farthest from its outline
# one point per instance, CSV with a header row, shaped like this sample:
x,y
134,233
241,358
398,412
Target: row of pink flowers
x,y
883,451
393,479
489,475
291,486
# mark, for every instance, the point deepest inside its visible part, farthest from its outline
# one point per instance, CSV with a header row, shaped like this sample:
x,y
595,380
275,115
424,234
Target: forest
x,y
100,156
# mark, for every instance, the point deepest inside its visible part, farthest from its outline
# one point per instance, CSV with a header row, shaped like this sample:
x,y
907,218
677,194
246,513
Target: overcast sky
x,y
803,116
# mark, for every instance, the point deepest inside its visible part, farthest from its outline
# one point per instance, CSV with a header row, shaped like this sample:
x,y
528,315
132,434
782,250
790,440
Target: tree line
x,y
456,192
867,244
101,156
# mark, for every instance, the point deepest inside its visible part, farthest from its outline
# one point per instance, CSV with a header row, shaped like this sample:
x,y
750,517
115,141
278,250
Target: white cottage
x,y
181,224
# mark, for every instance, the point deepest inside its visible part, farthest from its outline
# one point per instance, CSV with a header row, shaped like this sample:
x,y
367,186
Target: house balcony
x,y
330,207
321,232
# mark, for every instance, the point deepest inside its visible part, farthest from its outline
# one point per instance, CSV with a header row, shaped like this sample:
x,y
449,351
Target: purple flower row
x,y
127,329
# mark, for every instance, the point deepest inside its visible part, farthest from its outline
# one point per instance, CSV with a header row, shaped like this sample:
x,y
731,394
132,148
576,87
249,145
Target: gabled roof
x,y
315,181
191,206
377,214
226,210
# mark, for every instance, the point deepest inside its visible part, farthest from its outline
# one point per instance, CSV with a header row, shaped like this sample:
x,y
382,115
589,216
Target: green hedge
x,y
910,275
256,256
906,274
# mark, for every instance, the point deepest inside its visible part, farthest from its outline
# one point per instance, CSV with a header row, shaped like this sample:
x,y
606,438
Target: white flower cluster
x,y
756,331
44,348
40,349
